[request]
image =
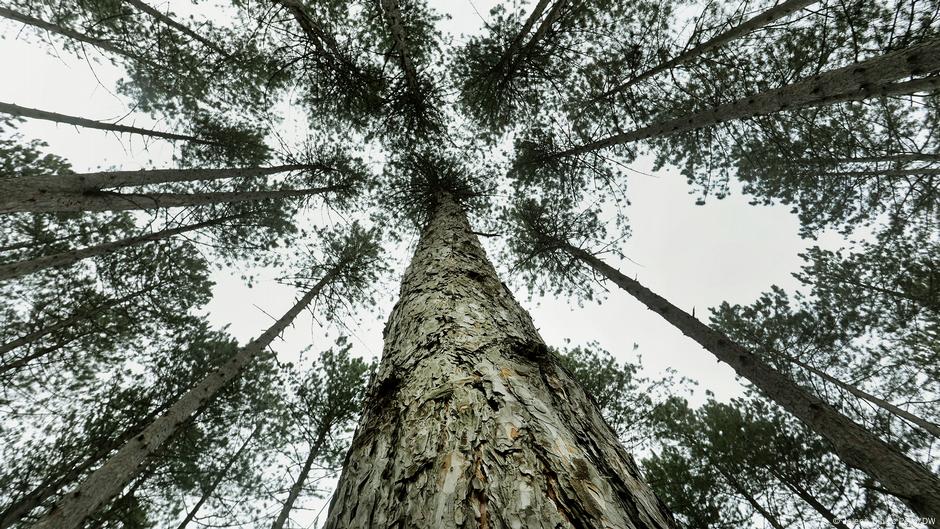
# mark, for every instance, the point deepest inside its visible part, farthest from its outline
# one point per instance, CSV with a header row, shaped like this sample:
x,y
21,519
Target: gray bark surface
x,y
773,14
25,187
17,110
392,12
110,201
863,80
108,480
851,442
471,422
29,266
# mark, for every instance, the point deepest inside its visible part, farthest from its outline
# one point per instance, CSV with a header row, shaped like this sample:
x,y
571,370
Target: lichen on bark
x,y
470,421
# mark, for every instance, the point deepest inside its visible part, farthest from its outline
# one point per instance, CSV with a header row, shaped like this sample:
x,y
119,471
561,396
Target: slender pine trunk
x,y
74,35
169,21
392,12
855,445
507,58
108,480
742,490
26,188
871,78
886,158
551,18
810,499
471,421
877,173
70,257
312,454
223,472
78,466
928,426
771,15
17,110
69,321
111,201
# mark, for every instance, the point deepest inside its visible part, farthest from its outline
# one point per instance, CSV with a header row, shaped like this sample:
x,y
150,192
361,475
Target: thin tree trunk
x,y
855,445
930,427
110,201
74,35
879,172
887,158
771,15
507,58
25,188
392,14
50,486
553,15
855,82
295,490
810,499
31,266
471,421
210,490
169,21
108,480
21,268
16,110
71,320
322,40
39,353
739,488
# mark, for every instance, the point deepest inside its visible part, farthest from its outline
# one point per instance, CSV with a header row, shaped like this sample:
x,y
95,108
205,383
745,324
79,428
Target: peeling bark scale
x,y
470,422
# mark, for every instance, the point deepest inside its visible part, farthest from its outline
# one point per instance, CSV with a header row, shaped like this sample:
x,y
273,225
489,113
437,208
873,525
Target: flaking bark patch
x,y
471,422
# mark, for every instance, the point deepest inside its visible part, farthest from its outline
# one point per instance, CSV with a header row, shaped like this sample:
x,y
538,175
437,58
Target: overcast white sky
x,y
696,256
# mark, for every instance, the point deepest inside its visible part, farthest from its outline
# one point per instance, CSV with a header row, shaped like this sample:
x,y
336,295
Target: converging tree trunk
x,y
169,21
773,14
739,487
16,110
29,266
855,445
112,201
810,499
856,82
109,479
29,188
471,421
106,45
313,452
217,480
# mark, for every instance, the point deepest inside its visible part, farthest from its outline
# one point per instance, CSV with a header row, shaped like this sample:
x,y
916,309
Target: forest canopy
x,y
329,155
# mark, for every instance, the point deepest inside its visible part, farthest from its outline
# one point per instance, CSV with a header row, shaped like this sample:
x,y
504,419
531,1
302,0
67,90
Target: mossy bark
x,y
471,422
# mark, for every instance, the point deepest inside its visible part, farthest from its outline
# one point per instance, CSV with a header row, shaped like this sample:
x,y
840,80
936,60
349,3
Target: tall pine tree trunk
x,y
217,480
34,113
169,21
471,422
111,201
313,453
853,443
810,499
108,480
29,266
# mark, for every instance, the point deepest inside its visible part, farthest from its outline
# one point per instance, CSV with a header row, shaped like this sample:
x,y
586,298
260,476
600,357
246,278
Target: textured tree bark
x,y
108,480
72,34
210,490
169,21
855,445
16,110
774,13
471,422
856,82
110,201
29,266
27,187
312,454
